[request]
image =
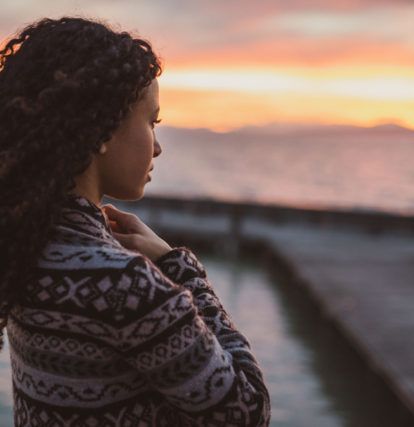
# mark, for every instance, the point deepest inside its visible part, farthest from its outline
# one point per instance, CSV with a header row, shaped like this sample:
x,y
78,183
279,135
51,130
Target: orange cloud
x,y
295,52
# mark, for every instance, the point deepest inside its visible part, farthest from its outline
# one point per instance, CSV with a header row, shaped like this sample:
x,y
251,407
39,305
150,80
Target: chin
x,y
139,193
135,195
130,195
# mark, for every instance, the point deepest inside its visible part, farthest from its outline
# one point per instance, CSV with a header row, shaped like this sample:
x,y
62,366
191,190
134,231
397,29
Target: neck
x,y
88,187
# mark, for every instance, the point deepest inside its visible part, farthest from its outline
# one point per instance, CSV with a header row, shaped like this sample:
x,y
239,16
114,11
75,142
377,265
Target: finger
x,y
115,214
108,205
120,236
114,211
110,209
114,226
127,222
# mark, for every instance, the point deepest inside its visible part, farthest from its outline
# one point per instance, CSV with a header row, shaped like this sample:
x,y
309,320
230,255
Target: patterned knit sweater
x,y
105,337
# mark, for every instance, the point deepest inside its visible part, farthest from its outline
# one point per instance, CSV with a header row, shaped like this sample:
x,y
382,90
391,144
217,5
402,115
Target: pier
x,y
356,267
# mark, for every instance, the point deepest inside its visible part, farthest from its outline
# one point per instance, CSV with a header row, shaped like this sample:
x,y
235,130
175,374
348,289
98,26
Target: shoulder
x,y
85,254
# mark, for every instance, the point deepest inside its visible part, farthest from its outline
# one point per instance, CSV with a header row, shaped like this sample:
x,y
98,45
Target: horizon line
x,y
292,125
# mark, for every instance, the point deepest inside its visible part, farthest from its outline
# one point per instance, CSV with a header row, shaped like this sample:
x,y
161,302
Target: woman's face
x,y
125,165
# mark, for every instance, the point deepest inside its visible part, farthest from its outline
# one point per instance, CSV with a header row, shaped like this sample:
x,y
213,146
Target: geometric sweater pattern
x,y
105,337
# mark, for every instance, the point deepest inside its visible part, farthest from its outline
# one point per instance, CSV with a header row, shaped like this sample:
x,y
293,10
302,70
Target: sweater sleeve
x,y
187,347
183,267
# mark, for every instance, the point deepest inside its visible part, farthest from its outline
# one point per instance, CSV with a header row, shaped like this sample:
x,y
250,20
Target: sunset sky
x,y
234,63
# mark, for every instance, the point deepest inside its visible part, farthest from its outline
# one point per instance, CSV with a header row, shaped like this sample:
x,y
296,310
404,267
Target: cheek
x,y
133,156
146,148
141,154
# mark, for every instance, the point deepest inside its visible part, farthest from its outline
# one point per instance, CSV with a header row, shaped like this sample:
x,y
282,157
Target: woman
x,y
108,325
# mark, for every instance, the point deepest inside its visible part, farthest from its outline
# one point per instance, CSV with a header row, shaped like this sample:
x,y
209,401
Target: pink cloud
x,y
268,31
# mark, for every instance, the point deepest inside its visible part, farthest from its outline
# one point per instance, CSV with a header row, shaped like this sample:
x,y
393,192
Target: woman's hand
x,y
133,234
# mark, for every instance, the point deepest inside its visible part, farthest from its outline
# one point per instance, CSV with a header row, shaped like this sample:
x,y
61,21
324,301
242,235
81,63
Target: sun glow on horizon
x,y
223,99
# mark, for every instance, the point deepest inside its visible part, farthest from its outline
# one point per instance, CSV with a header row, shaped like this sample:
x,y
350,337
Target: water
x,y
312,378
335,167
256,310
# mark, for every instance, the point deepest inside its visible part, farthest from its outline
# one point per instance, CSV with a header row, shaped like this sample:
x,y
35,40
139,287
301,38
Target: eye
x,y
156,122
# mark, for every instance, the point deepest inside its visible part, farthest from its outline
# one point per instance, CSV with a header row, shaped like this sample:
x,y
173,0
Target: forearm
x,y
182,266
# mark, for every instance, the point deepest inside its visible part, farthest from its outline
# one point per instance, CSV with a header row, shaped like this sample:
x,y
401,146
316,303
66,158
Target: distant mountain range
x,y
277,129
289,130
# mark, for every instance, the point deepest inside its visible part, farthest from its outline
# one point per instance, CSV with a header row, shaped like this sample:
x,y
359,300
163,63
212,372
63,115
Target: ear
x,y
103,149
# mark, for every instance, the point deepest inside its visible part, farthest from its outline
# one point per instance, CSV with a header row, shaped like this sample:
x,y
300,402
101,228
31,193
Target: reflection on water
x,y
313,378
250,299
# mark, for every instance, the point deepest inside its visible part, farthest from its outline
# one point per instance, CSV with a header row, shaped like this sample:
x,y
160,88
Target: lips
x,y
148,174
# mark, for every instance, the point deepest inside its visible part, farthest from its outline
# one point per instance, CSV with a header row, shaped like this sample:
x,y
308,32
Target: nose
x,y
157,149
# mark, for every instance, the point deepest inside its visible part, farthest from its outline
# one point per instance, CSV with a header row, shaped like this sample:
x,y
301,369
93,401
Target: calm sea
x,y
336,167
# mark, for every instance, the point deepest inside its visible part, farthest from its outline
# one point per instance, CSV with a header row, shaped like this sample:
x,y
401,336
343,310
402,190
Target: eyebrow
x,y
156,111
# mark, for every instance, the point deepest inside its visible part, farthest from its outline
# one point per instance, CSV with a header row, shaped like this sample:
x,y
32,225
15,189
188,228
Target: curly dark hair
x,y
65,86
